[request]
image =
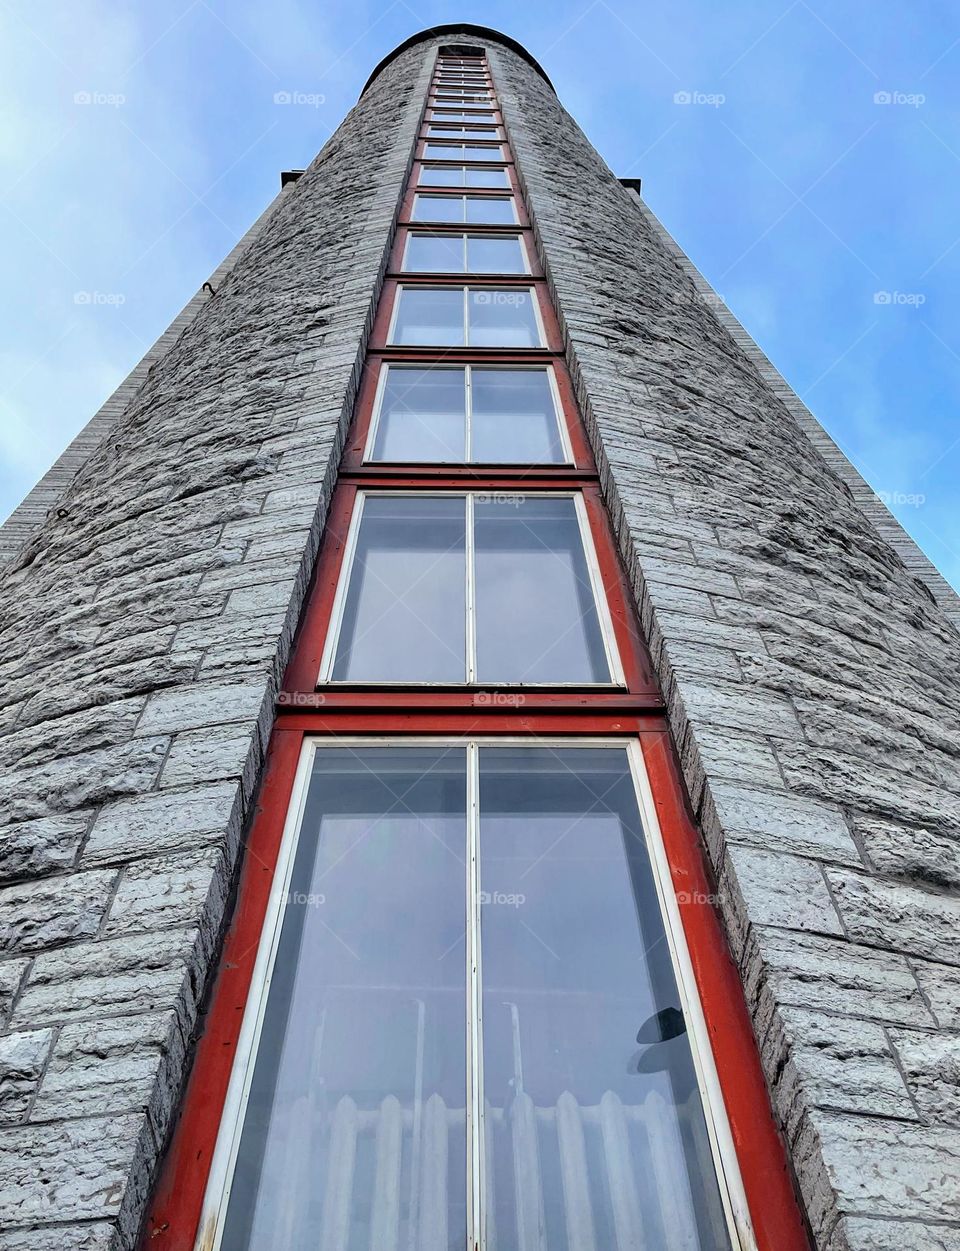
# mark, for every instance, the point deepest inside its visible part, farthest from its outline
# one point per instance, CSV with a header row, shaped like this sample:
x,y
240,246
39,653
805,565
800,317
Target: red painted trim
x,y
303,672
174,1212
381,325
433,188
341,722
395,268
777,1220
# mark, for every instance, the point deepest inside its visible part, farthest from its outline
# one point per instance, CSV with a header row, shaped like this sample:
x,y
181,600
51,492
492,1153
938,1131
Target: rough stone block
x,y
139,973
22,1057
190,707
56,910
779,821
931,1065
46,845
816,1060
779,890
169,890
897,917
113,1066
165,821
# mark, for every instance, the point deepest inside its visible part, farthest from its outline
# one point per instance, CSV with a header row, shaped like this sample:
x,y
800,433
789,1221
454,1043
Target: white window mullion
x,y
471,588
468,407
476,1140
466,316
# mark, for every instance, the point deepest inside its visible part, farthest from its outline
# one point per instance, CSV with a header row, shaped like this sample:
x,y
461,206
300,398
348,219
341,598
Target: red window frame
x,y
494,148
302,674
635,712
402,275
174,1212
381,325
509,192
353,462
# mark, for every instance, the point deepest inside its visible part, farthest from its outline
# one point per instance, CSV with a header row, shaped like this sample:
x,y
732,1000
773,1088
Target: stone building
x,y
481,767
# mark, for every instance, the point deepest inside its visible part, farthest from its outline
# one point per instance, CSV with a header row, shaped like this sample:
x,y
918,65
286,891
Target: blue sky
x,y
812,177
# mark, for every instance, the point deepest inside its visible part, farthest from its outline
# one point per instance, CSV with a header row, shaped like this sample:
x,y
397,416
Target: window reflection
x,y
597,1139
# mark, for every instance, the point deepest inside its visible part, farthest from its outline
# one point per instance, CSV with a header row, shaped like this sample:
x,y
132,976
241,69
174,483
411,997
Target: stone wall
x,y
144,629
811,677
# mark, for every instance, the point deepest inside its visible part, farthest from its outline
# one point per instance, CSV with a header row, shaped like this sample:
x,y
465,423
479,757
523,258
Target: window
x,y
472,254
459,115
466,317
469,588
462,152
493,415
463,132
471,988
477,91
474,209
462,176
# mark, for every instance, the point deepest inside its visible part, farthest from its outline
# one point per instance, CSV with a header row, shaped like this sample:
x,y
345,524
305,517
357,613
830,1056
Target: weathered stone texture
x,y
145,625
810,662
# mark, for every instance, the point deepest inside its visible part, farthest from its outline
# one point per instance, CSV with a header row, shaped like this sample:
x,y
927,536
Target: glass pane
x,y
429,315
353,1136
443,152
475,153
434,254
462,132
494,255
437,176
486,178
597,1128
490,210
514,417
422,415
536,616
438,208
460,115
502,318
403,620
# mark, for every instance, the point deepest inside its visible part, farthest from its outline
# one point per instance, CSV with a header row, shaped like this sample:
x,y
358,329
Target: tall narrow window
x,y
474,1031
466,317
480,210
470,413
464,254
353,1130
463,176
470,588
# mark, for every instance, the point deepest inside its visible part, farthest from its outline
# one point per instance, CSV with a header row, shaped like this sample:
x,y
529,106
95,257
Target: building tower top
x,y
459,30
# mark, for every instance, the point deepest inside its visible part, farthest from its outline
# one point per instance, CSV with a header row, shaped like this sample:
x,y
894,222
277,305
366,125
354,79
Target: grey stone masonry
x,y
809,659
146,621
